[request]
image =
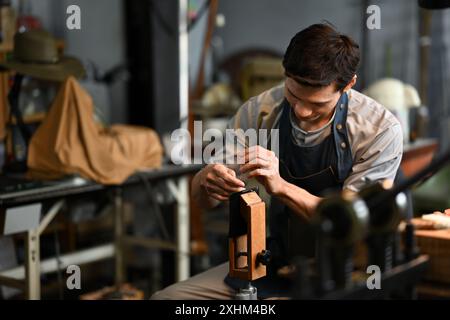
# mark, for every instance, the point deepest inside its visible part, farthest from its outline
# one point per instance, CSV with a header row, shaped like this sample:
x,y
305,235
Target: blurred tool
x,y
373,214
341,222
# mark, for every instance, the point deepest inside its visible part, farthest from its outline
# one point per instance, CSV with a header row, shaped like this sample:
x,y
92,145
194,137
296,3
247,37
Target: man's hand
x,y
220,181
263,165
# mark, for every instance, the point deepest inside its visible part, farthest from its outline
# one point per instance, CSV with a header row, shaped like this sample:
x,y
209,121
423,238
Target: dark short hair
x,y
319,55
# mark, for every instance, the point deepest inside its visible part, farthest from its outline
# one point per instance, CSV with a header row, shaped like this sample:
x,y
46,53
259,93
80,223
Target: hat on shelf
x,y
35,54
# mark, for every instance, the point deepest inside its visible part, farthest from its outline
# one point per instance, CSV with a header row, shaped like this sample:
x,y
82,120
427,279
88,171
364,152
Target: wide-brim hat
x,y
35,54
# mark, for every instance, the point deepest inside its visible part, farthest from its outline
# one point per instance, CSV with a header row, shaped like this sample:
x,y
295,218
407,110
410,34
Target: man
x,y
331,137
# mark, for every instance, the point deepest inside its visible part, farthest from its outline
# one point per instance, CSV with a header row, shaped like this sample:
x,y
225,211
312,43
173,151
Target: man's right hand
x,y
219,181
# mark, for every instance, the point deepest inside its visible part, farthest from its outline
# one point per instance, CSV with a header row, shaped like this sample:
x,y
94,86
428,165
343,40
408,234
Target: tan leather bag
x,y
69,141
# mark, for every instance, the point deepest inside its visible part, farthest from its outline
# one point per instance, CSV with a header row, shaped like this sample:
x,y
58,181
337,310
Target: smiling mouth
x,y
308,119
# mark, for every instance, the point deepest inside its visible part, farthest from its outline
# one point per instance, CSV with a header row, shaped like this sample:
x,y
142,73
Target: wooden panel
x,y
252,208
258,240
436,244
238,265
250,198
231,257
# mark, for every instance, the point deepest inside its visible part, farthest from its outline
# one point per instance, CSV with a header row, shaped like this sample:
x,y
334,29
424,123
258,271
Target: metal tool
x,y
373,214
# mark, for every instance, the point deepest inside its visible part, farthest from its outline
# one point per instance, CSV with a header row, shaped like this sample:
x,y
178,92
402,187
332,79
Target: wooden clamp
x,y
247,236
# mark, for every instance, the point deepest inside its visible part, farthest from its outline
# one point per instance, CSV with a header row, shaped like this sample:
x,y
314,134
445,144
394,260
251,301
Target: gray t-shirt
x,y
309,138
374,133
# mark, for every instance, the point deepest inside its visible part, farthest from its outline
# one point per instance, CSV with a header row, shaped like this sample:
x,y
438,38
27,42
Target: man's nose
x,y
302,111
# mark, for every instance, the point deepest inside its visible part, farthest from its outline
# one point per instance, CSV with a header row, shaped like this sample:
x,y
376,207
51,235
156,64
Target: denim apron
x,y
318,169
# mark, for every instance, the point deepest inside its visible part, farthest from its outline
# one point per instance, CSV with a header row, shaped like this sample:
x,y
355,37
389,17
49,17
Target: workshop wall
x,y
394,49
438,93
100,40
391,51
271,24
196,38
267,23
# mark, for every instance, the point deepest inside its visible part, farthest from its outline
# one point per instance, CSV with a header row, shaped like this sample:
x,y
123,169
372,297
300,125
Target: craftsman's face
x,y
312,106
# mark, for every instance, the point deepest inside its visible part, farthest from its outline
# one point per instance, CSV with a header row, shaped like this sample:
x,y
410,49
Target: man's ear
x,y
350,84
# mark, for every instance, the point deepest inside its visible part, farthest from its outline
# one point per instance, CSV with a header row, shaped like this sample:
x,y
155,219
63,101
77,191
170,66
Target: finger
x,y
219,197
257,163
252,158
249,150
258,153
221,183
259,173
258,149
230,179
220,171
214,189
232,172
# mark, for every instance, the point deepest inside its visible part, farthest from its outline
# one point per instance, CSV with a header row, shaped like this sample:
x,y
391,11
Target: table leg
x,y
118,236
32,265
182,234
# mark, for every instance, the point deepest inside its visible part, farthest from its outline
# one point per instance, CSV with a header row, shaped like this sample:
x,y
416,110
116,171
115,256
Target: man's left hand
x,y
264,166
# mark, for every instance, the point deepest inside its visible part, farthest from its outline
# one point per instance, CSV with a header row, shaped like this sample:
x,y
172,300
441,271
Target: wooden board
x,y
436,244
253,210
